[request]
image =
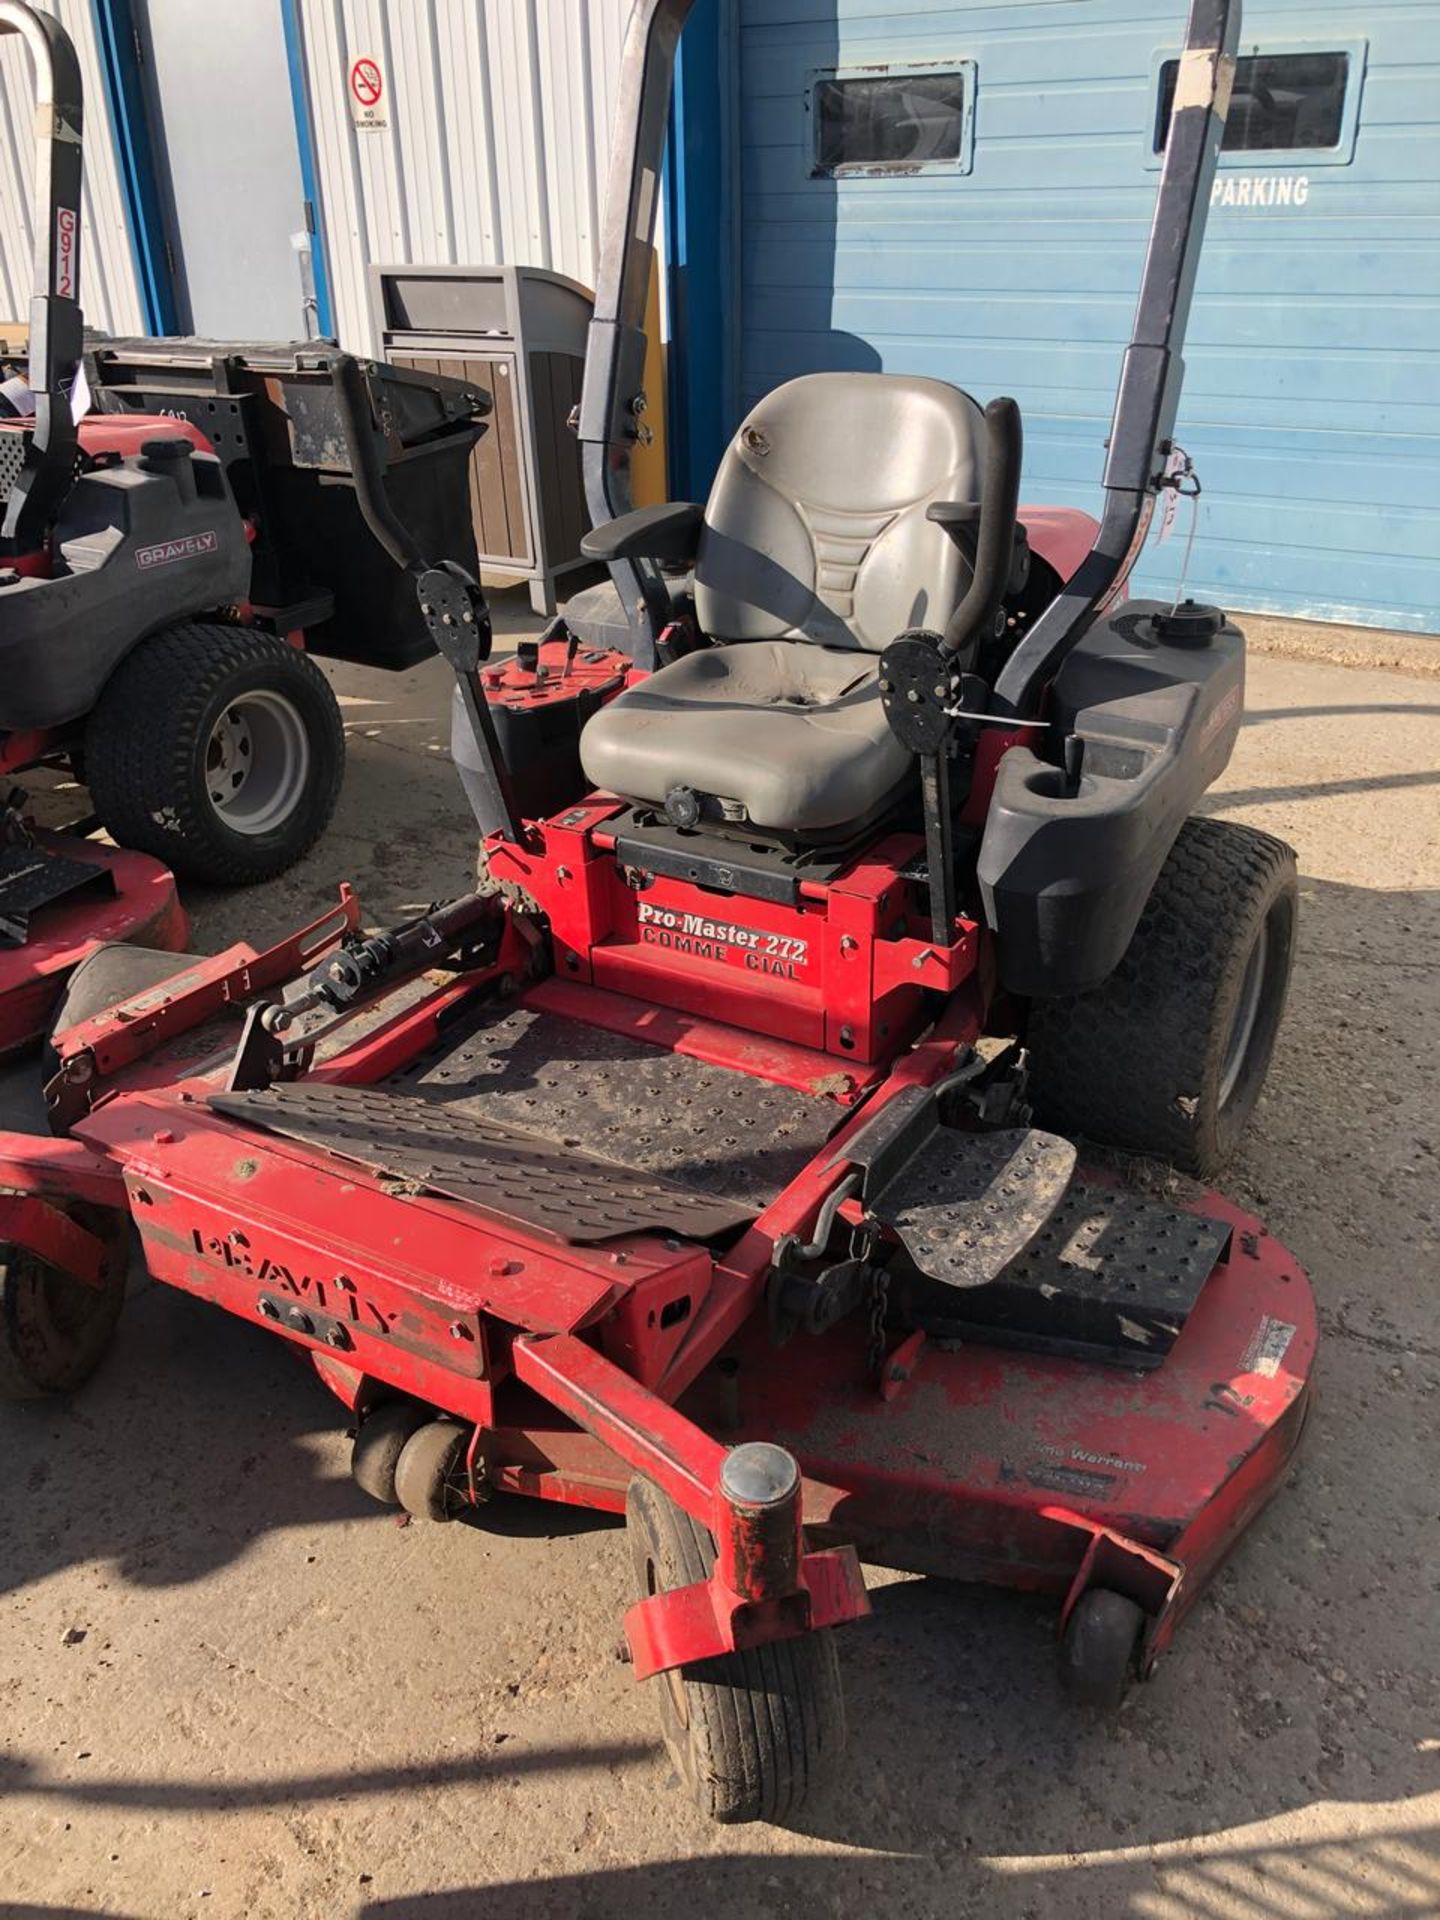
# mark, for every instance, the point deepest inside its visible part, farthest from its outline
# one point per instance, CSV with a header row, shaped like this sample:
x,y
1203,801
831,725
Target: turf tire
x,y
1140,1063
146,740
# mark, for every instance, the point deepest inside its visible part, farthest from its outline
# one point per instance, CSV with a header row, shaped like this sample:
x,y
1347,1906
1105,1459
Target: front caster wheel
x,y
430,1471
379,1444
54,1329
1097,1654
750,1733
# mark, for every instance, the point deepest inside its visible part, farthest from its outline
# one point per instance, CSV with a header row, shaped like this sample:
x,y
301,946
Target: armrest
x,y
669,532
954,514
960,518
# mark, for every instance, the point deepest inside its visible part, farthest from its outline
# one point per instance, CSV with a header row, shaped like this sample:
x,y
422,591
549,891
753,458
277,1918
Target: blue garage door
x,y
966,192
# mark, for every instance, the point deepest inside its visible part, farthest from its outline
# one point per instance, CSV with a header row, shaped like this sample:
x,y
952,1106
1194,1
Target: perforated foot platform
x,y
1111,1276
429,1145
32,878
966,1205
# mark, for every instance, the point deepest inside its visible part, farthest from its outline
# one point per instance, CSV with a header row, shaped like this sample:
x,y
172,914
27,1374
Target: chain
x,y
879,1303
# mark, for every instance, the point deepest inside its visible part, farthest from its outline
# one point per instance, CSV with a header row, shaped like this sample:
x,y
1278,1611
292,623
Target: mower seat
x,y
814,553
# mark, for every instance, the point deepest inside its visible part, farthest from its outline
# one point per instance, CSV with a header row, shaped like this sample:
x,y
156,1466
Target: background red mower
x,y
168,564
688,1169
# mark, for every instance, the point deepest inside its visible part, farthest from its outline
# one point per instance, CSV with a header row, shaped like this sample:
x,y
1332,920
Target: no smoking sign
x,y
367,93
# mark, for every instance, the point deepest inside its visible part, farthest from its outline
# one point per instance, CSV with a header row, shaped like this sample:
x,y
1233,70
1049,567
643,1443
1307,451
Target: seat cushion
x,y
794,733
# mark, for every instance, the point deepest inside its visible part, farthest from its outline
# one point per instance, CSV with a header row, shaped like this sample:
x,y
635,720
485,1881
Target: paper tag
x,y
1175,465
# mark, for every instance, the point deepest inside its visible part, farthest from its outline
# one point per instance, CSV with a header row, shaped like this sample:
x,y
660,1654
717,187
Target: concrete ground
x,y
230,1686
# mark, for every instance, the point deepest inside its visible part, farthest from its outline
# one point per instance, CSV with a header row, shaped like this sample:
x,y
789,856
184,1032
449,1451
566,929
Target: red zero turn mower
x,y
154,617
687,1170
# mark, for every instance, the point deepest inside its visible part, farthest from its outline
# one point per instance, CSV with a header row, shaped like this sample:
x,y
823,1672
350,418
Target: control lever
x,y
1074,763
360,964
454,610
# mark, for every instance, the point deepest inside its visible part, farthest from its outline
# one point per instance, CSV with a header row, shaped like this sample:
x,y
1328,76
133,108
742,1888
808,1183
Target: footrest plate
x,y
32,878
966,1205
1113,1276
427,1145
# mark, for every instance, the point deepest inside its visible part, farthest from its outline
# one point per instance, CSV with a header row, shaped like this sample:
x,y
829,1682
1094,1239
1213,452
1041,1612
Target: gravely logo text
x,y
188,547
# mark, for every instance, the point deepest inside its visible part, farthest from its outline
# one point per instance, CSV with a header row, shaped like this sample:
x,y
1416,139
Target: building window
x,y
891,122
1280,102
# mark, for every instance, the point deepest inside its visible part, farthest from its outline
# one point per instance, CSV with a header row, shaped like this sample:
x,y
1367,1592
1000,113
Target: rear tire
x,y
54,1329
1168,1056
750,1733
219,750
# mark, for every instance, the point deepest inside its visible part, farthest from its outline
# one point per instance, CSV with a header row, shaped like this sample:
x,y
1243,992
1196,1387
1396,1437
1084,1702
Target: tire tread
x,y
140,743
1134,1064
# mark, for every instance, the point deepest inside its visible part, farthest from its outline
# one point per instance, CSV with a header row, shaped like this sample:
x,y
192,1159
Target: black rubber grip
x,y
995,544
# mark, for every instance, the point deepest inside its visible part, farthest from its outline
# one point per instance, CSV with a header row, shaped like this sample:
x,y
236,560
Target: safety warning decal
x,y
67,236
367,93
1268,1346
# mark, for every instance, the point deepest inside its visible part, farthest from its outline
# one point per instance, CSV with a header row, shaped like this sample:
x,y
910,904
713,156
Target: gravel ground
x,y
229,1686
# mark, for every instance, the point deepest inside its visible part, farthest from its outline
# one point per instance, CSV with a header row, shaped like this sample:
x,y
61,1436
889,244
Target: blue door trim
x,y
700,214
134,151
309,164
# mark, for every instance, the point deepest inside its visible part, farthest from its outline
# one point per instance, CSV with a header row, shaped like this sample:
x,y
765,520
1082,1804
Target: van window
x,y
1280,101
889,123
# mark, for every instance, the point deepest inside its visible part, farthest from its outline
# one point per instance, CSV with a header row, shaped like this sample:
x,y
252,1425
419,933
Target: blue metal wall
x,y
1312,396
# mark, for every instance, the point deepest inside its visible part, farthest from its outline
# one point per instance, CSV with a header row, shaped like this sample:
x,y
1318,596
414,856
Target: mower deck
x,y
107,894
451,1270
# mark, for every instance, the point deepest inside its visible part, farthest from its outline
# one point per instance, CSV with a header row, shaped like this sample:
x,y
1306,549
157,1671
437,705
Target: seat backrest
x,y
815,528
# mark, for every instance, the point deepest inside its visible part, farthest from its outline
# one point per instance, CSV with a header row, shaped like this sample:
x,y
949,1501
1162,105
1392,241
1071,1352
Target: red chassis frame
x,y
579,1366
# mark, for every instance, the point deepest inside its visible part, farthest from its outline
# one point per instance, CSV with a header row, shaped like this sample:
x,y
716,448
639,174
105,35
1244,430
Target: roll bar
x,y
615,347
56,326
1149,390
1152,370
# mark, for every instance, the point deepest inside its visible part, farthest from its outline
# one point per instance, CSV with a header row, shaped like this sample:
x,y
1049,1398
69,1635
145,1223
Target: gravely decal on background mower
x,y
566,1196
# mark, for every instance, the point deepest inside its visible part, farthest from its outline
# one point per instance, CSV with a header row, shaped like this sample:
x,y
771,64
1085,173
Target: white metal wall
x,y
497,139
109,290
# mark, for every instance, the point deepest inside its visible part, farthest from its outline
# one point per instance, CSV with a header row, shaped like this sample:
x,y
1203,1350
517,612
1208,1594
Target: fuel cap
x,y
1191,624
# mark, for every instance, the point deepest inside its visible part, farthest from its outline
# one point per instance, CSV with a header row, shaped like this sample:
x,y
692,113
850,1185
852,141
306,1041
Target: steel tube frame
x,y
1150,377
615,348
56,326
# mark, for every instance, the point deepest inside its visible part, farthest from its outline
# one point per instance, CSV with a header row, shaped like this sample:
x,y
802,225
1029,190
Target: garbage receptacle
x,y
519,334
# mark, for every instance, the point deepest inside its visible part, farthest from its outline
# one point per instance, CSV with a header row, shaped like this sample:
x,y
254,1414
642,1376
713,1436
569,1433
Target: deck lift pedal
x,y
688,1169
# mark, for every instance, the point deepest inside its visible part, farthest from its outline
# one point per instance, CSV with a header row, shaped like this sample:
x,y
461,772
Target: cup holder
x,y
1052,783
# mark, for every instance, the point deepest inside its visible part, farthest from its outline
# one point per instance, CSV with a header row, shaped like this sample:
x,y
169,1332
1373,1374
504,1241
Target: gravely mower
x,y
686,1170
164,565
